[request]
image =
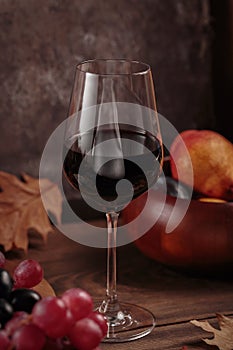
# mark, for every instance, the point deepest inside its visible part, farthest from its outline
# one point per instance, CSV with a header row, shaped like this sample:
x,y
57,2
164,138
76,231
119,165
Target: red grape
x,y
100,320
70,321
29,337
27,274
19,318
2,260
79,302
54,322
85,334
50,314
4,341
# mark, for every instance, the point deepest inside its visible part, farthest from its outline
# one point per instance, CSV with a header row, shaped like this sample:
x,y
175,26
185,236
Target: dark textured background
x,y
42,41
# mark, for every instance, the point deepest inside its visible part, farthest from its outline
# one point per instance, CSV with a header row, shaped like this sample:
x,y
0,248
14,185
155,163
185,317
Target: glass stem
x,y
111,291
110,306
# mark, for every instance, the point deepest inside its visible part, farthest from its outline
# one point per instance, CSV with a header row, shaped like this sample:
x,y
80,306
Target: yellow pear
x,y
212,160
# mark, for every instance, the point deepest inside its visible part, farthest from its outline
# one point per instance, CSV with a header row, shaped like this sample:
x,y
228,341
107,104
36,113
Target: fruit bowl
x,y
202,241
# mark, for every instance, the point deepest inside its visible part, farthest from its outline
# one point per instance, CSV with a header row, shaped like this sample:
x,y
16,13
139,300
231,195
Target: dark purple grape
x,y
23,299
6,312
6,283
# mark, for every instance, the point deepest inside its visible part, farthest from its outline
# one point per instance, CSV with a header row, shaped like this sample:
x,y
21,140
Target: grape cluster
x,y
29,322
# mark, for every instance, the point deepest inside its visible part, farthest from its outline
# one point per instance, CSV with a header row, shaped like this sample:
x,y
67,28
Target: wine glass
x,y
113,153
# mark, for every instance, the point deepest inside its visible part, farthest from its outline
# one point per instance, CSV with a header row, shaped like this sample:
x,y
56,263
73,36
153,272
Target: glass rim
x,y
142,71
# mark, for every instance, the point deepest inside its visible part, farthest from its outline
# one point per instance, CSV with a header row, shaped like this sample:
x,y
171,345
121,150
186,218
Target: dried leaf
x,y
223,337
44,289
21,209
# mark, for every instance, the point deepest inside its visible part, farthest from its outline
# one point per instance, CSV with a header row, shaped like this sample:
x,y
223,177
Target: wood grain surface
x,y
175,298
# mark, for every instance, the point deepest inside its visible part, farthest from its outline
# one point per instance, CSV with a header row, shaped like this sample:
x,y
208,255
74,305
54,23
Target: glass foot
x,y
130,322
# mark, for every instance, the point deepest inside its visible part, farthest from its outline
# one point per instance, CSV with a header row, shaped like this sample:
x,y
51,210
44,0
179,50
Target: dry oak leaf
x,y
21,209
44,288
223,337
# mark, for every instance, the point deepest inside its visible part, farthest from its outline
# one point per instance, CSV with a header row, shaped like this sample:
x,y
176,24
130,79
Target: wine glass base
x,y
132,322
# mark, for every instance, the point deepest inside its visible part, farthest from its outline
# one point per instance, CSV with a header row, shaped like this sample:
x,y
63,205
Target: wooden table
x,y
175,298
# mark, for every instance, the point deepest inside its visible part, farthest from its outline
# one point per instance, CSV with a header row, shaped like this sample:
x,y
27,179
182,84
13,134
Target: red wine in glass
x,y
106,178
